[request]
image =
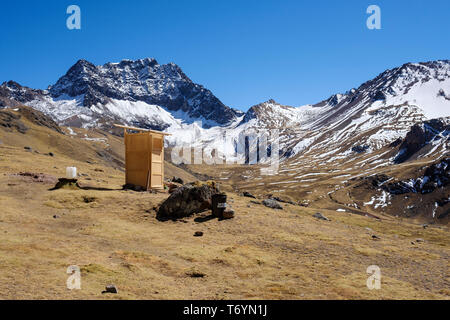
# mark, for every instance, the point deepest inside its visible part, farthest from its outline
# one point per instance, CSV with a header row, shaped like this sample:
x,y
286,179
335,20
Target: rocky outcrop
x,y
360,149
187,200
421,135
435,176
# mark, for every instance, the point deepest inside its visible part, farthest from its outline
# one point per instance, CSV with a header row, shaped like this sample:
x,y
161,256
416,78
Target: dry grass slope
x,y
260,254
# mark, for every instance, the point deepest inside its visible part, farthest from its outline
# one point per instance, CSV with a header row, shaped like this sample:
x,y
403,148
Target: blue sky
x,y
245,51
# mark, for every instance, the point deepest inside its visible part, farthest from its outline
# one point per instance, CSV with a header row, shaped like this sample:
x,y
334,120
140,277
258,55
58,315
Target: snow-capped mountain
x,y
143,93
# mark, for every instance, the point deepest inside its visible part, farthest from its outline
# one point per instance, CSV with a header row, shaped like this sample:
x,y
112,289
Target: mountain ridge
x,y
146,94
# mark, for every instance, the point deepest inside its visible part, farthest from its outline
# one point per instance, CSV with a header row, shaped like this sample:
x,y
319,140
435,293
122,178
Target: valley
x,y
362,180
114,237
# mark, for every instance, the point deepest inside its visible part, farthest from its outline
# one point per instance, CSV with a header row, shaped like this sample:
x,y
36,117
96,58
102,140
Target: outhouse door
x,y
157,161
144,160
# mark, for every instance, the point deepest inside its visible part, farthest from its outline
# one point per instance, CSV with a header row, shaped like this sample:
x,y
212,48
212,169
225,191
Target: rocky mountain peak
x,y
269,111
141,80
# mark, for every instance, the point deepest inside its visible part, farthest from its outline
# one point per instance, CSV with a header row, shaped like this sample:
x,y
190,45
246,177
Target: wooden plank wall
x,y
144,159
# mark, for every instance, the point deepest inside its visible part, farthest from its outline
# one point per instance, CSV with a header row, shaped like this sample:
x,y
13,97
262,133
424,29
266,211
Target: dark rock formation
x,y
421,135
248,195
435,176
360,149
187,200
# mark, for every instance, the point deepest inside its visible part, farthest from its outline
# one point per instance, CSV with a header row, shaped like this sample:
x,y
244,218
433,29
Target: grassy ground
x,y
113,236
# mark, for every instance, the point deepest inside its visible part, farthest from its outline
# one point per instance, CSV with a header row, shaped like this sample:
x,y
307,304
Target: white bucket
x,y
71,173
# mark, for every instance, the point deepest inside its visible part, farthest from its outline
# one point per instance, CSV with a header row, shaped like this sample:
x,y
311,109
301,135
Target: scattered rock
x,y
29,149
177,180
198,234
420,240
111,289
425,226
255,202
304,204
51,154
271,203
56,216
228,214
87,199
248,195
360,149
98,170
37,177
375,237
66,184
189,199
282,200
320,216
194,273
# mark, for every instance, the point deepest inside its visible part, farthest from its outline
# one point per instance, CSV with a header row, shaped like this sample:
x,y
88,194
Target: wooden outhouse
x,y
144,157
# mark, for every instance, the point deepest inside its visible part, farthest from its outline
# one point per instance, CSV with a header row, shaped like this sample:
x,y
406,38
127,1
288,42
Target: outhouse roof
x,y
141,129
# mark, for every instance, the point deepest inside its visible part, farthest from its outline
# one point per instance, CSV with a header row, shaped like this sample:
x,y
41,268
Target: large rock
x,y
187,200
271,203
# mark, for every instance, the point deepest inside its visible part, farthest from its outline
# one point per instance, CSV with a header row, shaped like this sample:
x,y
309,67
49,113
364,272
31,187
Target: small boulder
x,y
198,234
248,195
195,273
29,149
228,213
273,204
64,183
320,216
111,289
